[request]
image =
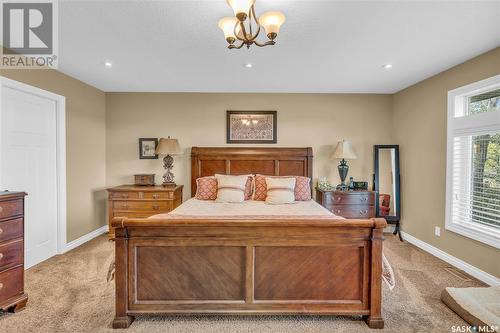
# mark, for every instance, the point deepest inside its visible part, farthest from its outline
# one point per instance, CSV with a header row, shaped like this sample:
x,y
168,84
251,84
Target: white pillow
x,y
231,188
280,190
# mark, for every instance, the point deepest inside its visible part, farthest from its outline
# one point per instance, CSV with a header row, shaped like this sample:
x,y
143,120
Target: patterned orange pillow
x,y
260,189
206,188
302,188
249,188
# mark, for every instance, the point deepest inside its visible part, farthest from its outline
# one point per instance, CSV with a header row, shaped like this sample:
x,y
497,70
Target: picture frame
x,y
147,148
258,127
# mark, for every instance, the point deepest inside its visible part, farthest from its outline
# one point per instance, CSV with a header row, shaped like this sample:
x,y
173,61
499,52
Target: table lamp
x,y
168,147
343,151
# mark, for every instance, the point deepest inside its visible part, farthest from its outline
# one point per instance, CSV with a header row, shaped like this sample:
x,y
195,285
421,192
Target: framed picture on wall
x,y
251,127
147,148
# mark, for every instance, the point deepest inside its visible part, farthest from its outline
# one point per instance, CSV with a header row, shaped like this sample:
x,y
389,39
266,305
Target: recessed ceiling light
x,y
108,64
387,66
248,65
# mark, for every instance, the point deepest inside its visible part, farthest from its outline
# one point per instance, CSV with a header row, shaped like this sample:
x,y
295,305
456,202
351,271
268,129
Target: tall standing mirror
x,y
387,183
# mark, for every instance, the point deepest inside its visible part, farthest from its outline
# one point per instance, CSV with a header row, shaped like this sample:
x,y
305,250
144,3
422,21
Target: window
x,y
473,161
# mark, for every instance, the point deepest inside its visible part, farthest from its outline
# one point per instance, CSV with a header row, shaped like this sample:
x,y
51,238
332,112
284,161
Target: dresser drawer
x,y
353,211
349,199
146,195
11,208
141,205
11,283
11,254
11,229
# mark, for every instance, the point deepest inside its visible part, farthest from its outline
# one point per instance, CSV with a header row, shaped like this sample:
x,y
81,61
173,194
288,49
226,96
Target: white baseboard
x,y
85,238
454,261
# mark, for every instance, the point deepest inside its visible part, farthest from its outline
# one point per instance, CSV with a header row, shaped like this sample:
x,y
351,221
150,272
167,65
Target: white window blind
x,y
475,181
473,161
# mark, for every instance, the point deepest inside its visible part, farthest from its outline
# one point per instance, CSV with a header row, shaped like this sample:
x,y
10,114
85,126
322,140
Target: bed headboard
x,y
207,161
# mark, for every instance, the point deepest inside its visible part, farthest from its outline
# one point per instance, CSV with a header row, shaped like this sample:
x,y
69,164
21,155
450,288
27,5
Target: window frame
x,y
476,124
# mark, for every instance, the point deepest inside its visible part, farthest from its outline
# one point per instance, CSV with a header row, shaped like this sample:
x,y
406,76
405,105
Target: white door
x,y
28,162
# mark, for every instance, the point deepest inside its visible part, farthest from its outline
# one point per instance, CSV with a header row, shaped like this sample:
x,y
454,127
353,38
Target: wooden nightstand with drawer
x,y
141,201
348,204
12,296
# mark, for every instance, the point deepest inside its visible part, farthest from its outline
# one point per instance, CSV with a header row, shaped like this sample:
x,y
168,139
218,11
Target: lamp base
x,y
168,184
342,187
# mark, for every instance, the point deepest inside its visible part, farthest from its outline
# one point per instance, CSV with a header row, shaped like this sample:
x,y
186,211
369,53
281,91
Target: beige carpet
x,y
69,293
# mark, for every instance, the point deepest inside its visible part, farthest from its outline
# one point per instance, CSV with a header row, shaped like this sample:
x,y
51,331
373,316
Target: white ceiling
x,y
324,46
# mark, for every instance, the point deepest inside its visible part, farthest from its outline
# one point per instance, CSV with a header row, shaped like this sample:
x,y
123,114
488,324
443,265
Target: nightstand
x,y
141,201
348,204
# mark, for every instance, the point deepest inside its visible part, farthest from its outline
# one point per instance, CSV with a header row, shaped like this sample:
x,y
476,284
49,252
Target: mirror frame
x,y
392,219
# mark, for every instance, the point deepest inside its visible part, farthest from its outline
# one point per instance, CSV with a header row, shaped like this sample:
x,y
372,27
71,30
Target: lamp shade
x,y
344,151
168,146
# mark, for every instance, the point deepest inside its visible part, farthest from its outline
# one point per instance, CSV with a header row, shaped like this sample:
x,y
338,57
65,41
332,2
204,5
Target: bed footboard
x,y
215,266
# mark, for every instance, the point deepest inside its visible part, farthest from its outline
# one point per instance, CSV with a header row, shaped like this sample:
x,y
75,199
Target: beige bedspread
x,y
249,208
194,208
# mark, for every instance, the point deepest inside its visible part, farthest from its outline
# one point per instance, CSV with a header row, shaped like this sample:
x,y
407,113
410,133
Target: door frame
x,y
60,102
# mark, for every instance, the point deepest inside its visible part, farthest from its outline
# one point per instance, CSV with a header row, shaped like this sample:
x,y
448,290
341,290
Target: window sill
x,y
480,233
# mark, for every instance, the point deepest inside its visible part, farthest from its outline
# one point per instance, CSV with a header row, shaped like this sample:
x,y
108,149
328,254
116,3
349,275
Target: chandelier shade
x,y
241,8
271,22
245,26
227,25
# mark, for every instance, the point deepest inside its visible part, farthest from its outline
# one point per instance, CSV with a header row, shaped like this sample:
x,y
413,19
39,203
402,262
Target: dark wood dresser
x,y
12,296
348,204
141,201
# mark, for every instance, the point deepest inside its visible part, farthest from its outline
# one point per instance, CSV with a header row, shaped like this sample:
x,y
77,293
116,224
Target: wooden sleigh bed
x,y
247,266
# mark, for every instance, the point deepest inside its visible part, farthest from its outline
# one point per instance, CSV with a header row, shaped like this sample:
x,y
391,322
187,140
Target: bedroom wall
x,y
316,120
85,146
420,113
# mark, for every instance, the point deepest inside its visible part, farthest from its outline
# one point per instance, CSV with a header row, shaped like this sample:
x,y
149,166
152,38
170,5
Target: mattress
x,y
250,208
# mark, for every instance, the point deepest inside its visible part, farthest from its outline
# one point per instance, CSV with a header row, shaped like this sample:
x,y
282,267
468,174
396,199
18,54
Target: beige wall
x,y
317,120
85,146
420,129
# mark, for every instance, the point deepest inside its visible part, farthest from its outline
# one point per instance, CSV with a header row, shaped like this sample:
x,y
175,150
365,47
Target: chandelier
x,y
245,26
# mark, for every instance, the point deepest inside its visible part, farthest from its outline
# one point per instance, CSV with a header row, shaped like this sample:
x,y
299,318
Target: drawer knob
x,y
124,206
156,196
1,231
364,198
1,285
363,212
155,207
338,211
1,256
338,198
1,209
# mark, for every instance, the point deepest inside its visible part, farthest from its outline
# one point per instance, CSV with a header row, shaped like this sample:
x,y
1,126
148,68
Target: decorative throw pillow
x,y
260,189
302,187
249,188
206,188
231,188
280,190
